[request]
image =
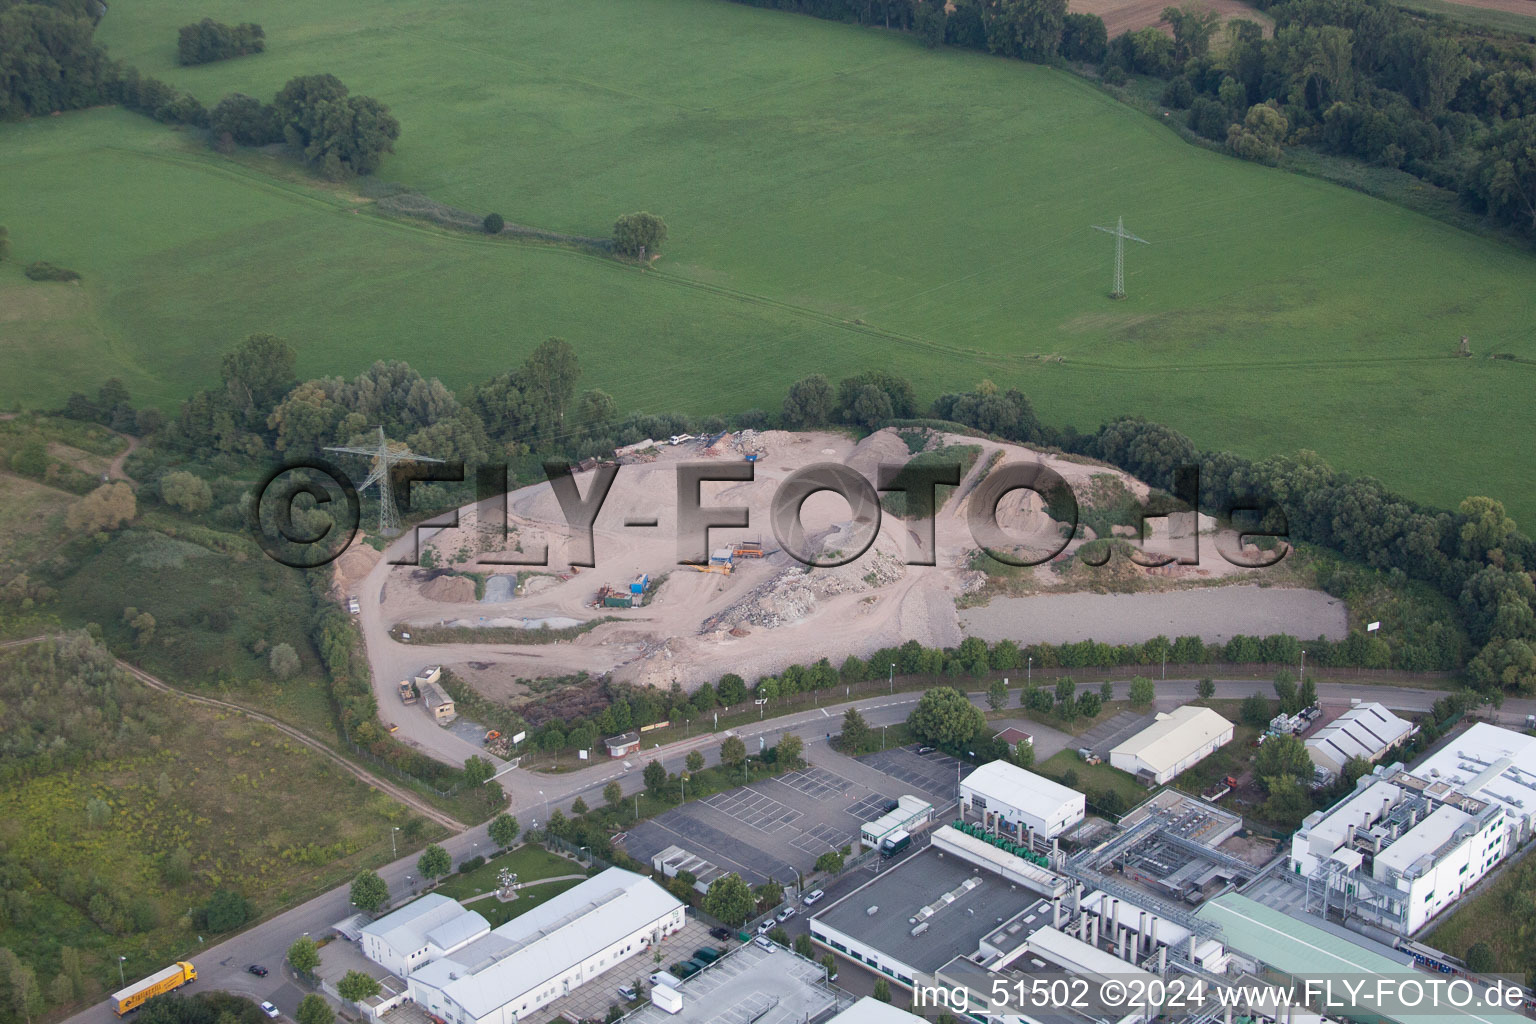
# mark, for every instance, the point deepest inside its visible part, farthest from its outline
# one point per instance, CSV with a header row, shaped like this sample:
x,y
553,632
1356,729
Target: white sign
x,y
1373,627
519,738
581,754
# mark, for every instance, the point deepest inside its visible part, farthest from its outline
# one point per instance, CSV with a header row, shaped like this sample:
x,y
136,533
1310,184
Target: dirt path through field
x,y
400,793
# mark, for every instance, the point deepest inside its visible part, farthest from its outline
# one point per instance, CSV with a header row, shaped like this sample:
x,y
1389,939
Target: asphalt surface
x,y
532,796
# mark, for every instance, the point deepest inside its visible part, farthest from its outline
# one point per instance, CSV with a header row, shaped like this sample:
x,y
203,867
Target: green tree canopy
x,y
729,899
434,862
945,717
369,892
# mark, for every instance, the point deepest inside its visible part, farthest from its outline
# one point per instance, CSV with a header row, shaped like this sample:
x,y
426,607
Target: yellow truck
x,y
136,995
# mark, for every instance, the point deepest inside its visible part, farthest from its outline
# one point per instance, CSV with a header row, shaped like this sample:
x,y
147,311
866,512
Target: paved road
x,y
532,796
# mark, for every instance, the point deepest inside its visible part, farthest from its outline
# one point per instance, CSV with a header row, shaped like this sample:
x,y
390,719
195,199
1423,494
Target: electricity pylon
x,y
385,455
1120,236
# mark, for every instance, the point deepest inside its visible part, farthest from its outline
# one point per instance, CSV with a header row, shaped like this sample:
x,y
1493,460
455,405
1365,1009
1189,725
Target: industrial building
x,y
1008,798
1177,741
1365,731
872,1011
750,985
420,932
1408,842
1273,947
910,814
535,958
1398,850
1493,764
961,895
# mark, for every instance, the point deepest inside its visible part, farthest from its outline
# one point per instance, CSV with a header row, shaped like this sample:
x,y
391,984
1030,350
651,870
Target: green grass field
x,y
839,198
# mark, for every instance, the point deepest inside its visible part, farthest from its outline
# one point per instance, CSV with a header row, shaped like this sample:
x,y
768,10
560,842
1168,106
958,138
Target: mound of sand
x,y
353,565
450,589
883,446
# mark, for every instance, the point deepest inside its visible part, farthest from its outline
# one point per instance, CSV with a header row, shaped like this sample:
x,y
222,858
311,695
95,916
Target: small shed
x,y
623,744
438,704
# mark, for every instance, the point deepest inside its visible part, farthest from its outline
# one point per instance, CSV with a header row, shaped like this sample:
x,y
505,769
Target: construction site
x,y
641,615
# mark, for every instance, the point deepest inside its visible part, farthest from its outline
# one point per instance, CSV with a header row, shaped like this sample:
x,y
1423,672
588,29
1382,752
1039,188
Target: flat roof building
x,y
1398,850
1366,731
420,932
507,975
750,985
1177,741
1293,947
1006,797
910,814
870,1010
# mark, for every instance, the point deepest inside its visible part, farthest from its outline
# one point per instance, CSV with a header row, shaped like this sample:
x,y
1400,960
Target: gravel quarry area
x,y
1214,614
772,611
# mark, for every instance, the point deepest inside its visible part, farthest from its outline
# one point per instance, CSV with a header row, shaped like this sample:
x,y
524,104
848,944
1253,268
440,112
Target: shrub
x,y
493,223
471,864
208,40
1178,94
634,233
45,271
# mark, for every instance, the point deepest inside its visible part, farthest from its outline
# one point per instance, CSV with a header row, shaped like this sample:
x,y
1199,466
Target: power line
x,y
1120,236
385,458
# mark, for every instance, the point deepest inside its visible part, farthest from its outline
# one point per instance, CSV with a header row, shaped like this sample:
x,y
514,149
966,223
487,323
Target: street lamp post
x,y
394,852
890,677
120,977
1303,673
882,736
1029,670
546,804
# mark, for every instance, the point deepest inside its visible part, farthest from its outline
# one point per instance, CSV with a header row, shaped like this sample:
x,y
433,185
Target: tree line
x,y
1473,555
1364,79
50,61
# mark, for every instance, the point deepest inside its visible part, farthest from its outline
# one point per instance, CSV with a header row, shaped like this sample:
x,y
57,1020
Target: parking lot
x,y
935,776
778,827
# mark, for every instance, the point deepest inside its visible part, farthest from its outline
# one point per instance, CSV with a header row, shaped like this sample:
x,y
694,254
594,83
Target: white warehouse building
x,y
1366,731
420,932
1006,796
1177,741
507,975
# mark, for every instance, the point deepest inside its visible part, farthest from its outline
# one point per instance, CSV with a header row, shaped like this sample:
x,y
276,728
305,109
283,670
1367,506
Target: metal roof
x,y
999,782
1296,947
412,926
1174,736
529,950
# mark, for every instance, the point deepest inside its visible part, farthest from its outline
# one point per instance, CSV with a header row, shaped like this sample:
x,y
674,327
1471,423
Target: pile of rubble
x,y
793,594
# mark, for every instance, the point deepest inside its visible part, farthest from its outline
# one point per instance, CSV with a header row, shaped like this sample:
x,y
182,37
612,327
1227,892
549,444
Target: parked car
x,y
786,914
685,970
269,1010
766,943
628,993
813,897
925,750
257,969
765,927
706,954
723,934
